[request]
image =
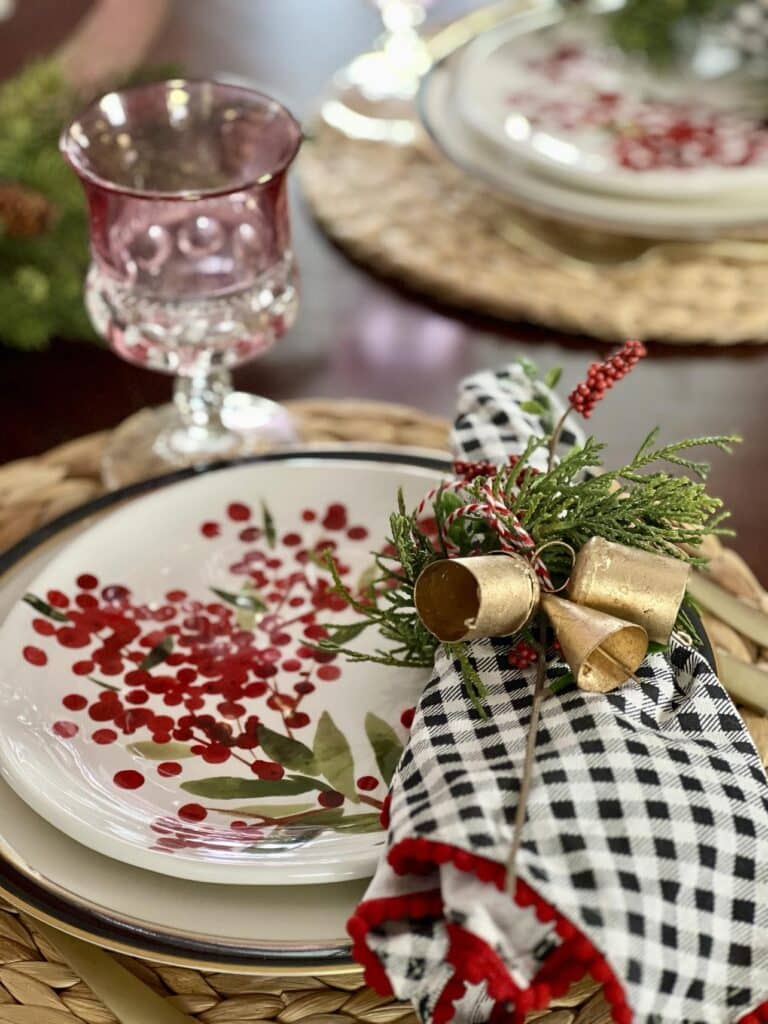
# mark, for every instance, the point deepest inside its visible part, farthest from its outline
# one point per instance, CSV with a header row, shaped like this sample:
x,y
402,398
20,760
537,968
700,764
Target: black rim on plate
x,y
25,890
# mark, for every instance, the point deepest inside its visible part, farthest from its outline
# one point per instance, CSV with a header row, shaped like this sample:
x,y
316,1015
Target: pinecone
x,y
24,213
747,28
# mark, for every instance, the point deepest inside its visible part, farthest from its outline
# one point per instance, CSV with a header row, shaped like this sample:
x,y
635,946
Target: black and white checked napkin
x,y
645,852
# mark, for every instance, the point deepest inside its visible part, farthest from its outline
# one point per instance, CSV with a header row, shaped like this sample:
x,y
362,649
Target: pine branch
x,y
639,505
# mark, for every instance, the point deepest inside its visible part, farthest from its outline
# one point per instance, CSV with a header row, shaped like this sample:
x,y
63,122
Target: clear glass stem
x,y
199,399
401,16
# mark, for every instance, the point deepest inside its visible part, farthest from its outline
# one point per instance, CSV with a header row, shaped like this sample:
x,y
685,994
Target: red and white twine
x,y
513,537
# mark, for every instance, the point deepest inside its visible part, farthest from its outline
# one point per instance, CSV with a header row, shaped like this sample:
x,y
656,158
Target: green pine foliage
x,y
640,504
41,278
658,29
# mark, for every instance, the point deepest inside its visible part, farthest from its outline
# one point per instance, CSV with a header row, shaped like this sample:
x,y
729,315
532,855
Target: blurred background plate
x,y
529,188
552,90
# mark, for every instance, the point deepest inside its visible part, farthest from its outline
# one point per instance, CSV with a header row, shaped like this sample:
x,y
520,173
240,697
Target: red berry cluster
x,y
522,655
192,670
602,376
470,471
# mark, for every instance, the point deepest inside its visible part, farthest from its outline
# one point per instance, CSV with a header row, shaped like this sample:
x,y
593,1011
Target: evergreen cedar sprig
x,y
659,30
638,504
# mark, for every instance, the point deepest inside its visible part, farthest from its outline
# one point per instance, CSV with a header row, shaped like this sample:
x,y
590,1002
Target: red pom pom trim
x,y
472,959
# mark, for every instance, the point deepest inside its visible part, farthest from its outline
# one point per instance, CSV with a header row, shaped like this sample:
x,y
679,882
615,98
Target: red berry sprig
x,y
602,376
522,655
469,471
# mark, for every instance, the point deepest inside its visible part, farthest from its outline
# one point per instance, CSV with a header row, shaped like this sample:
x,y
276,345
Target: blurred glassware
x,y
192,271
373,96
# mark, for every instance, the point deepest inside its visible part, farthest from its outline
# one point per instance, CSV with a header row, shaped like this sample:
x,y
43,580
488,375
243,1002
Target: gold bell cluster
x,y
618,599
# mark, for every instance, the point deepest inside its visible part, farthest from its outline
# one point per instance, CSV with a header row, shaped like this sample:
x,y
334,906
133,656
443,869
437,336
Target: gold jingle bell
x,y
486,595
636,585
602,652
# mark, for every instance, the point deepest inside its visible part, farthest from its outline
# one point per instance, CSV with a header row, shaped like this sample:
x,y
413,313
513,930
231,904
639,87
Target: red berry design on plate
x,y
65,730
238,511
35,656
335,518
645,133
193,812
202,670
104,736
367,783
331,799
75,702
129,779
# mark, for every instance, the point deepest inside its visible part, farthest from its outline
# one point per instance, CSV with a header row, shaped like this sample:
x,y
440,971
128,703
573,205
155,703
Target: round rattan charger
x,y
36,984
407,213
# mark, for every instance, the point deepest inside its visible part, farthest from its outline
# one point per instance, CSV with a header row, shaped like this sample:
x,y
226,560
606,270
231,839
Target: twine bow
x,y
619,599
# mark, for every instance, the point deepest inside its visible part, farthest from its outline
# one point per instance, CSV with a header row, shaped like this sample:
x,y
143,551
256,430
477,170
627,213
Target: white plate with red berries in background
x,y
525,185
551,89
166,700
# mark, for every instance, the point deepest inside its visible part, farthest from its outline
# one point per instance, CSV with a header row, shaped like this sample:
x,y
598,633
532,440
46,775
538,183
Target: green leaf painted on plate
x,y
247,600
334,757
386,746
103,685
290,753
322,816
227,787
160,751
358,823
552,377
44,608
158,654
367,579
270,810
269,525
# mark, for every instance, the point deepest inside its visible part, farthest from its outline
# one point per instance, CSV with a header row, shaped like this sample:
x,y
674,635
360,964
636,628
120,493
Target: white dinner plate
x,y
246,929
531,189
549,88
164,700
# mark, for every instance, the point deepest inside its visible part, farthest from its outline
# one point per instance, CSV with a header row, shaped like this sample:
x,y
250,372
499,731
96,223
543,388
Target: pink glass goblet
x,y
192,271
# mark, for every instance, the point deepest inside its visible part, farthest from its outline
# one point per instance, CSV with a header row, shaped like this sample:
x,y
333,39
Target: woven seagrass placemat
x,y
409,214
37,987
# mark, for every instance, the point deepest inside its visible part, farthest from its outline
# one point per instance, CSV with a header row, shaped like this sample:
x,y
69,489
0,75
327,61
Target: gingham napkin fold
x,y
644,856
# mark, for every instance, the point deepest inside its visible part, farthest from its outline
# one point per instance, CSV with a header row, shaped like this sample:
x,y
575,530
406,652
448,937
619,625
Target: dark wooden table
x,y
358,336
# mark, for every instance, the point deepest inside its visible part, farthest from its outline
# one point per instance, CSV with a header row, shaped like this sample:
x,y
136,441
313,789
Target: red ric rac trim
x,y
473,960
757,1016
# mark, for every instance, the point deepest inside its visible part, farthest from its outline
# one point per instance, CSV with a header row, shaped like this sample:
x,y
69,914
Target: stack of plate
x,y
544,109
186,776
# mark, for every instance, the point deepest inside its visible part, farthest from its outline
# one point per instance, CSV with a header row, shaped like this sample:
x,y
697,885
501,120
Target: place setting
x,y
550,141
336,711
235,676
